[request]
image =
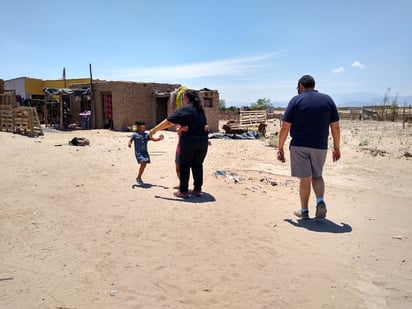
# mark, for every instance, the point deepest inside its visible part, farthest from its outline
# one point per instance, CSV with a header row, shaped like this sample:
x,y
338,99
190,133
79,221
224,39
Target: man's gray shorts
x,y
307,162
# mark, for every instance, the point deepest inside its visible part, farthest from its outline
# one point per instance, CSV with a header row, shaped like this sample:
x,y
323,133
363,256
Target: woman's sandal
x,y
180,194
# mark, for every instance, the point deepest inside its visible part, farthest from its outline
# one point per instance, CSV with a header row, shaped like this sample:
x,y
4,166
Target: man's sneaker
x,y
139,181
180,194
301,214
197,193
321,210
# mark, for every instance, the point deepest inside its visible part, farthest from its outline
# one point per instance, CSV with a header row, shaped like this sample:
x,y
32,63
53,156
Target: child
x,y
140,139
179,130
177,156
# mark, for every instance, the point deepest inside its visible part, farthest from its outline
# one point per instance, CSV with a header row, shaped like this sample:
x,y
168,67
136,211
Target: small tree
x,y
261,104
393,105
232,108
222,105
394,108
223,108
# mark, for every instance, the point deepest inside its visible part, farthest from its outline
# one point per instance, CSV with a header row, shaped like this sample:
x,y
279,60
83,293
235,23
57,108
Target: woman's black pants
x,y
192,154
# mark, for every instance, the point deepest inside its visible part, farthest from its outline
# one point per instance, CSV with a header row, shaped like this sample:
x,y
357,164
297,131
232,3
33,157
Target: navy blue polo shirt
x,y
310,114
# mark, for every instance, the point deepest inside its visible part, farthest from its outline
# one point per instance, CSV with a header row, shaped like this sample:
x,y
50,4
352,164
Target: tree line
x,y
259,104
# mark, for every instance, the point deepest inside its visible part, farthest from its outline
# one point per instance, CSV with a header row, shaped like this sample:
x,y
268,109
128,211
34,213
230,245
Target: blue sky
x,y
247,50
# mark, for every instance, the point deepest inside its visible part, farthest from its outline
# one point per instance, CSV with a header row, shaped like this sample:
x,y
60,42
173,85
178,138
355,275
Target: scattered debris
x,y
258,184
269,180
114,293
79,141
251,135
227,175
374,151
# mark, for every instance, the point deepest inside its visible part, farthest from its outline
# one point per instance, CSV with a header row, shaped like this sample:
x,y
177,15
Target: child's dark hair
x,y
140,123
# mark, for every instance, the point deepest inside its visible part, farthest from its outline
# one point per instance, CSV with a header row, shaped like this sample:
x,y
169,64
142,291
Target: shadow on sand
x,y
205,198
147,186
321,225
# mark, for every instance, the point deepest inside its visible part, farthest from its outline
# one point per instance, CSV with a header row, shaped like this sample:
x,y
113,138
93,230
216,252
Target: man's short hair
x,y
307,81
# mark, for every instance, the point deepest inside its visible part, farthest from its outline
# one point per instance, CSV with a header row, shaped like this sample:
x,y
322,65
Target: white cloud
x,y
357,64
226,67
339,70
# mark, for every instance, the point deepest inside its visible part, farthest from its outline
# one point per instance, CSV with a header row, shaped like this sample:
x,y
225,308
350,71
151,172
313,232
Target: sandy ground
x,y
75,234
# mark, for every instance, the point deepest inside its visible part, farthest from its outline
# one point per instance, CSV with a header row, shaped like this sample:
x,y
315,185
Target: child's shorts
x,y
142,157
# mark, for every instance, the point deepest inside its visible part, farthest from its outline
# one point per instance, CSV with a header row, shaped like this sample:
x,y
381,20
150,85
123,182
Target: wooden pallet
x,y
8,98
36,123
26,121
252,119
21,118
6,118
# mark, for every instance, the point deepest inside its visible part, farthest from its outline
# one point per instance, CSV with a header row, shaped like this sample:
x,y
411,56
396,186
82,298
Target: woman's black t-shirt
x,y
189,116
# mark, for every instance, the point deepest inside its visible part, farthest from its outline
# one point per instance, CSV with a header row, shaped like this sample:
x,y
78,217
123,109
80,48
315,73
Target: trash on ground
x,y
227,175
79,141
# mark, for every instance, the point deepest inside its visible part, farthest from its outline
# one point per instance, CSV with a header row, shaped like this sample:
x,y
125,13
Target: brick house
x,y
125,102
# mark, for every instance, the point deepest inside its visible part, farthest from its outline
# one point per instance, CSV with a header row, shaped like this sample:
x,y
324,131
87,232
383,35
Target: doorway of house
x,y
161,108
107,111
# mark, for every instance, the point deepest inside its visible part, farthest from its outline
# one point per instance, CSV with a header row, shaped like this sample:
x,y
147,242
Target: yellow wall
x,y
35,86
60,83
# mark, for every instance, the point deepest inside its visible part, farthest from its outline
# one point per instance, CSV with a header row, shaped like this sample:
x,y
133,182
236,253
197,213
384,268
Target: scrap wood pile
x,y
232,127
17,119
249,120
22,119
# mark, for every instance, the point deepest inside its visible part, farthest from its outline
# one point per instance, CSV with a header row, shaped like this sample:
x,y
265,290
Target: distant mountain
x,y
350,100
353,103
237,103
356,102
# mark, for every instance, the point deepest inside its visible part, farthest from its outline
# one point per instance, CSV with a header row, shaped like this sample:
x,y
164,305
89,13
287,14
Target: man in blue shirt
x,y
308,117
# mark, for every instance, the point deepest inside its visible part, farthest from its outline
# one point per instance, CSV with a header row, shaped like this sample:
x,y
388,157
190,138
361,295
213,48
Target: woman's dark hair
x,y
194,99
